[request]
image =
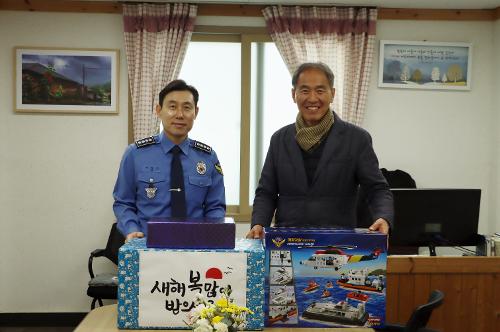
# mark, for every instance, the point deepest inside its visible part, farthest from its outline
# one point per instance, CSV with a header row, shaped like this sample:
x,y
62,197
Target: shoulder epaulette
x,y
202,146
145,141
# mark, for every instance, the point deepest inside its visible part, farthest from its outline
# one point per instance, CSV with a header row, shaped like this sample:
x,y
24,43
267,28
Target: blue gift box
x,y
191,233
325,277
171,296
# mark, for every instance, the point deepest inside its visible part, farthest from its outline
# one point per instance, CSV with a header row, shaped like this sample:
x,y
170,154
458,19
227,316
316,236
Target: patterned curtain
x,y
156,39
343,38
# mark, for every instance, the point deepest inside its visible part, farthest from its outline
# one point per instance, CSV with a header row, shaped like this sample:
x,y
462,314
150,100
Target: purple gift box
x,y
191,233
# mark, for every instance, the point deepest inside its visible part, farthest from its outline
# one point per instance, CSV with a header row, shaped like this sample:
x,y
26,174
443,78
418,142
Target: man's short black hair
x,y
313,65
178,85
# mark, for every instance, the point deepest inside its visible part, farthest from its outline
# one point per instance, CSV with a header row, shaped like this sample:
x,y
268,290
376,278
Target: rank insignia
x,y
218,167
202,146
145,141
201,167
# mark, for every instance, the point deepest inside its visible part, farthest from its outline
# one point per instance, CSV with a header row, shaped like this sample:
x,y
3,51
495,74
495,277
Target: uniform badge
x,y
201,146
201,167
218,167
151,190
145,141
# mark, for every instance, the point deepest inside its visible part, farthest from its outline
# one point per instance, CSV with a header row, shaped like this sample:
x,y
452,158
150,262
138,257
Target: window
x,y
272,106
219,120
245,96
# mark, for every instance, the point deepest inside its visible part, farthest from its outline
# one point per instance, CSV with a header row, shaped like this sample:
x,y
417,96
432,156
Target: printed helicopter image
x,y
334,257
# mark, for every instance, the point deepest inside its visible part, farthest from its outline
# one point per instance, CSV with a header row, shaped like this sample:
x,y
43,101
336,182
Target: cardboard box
x,y
325,277
156,287
191,233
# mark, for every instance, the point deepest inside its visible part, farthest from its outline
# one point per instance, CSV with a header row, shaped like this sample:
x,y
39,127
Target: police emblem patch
x,y
218,167
201,167
151,192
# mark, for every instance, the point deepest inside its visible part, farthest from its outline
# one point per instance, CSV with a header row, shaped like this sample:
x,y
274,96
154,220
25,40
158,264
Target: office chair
x,y
395,179
420,316
105,285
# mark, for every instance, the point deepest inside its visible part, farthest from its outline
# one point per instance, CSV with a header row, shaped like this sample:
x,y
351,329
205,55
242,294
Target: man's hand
x,y
257,232
134,235
380,225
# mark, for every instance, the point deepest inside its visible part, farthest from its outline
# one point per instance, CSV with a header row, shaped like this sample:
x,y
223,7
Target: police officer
x,y
169,175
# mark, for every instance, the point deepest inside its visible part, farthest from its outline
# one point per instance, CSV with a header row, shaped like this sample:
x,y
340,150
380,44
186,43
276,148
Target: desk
x,y
103,319
471,286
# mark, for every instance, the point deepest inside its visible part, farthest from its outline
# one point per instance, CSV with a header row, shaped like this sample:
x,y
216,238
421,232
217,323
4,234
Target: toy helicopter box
x,y
157,288
325,277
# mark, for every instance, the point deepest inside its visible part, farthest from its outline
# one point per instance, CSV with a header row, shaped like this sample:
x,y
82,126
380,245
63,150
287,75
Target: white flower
x,y
200,298
203,325
220,327
195,313
203,329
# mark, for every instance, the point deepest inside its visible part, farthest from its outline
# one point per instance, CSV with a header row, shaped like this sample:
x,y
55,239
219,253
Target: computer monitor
x,y
434,217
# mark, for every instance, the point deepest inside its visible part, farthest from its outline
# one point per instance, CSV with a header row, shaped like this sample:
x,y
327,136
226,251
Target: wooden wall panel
x,y
484,308
496,302
453,299
392,293
467,316
437,321
422,289
406,295
471,287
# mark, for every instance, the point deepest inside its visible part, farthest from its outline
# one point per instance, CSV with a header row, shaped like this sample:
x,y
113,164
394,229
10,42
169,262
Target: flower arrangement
x,y
223,316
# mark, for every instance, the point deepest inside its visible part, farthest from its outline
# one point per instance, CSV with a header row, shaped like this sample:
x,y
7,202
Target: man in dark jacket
x,y
313,168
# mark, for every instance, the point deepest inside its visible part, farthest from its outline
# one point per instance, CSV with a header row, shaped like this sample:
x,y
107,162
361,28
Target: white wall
x,y
57,171
444,139
495,199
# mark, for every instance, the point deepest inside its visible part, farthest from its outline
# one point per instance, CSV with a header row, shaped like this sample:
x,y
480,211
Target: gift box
x,y
325,277
191,233
157,287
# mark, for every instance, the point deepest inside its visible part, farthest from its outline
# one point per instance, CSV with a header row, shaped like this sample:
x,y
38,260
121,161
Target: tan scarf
x,y
309,137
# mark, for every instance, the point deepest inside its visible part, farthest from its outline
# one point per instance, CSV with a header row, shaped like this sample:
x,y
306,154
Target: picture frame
x,y
66,80
425,65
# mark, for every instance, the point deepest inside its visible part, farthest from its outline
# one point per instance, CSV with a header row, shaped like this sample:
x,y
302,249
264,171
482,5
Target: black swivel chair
x,y
420,316
105,285
395,179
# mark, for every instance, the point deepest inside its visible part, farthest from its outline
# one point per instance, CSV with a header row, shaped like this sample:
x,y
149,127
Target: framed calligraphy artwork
x,y
425,65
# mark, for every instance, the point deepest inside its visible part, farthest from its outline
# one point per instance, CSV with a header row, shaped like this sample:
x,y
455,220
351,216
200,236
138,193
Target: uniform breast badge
x,y
151,189
201,167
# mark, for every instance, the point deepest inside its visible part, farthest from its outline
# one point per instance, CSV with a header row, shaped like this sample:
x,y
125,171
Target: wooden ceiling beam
x,y
115,7
436,14
69,6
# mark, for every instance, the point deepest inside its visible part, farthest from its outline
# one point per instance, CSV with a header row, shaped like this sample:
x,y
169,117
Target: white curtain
x,y
156,39
343,38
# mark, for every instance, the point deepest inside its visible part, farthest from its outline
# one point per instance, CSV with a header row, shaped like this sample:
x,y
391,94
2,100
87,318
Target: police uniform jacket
x,y
347,161
145,166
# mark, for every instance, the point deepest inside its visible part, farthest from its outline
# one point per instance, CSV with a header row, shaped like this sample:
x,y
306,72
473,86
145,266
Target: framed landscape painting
x,y
425,65
59,80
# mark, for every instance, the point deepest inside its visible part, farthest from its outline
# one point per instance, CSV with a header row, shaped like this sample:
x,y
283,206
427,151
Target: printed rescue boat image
x,y
311,287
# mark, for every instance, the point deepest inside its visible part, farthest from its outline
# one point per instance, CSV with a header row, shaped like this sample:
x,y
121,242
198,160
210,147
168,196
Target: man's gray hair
x,y
313,65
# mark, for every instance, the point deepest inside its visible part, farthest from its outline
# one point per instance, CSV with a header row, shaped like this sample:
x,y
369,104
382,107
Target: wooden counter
x,y
471,286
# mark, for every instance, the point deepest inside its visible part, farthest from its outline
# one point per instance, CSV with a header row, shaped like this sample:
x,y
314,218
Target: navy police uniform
x,y
142,187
